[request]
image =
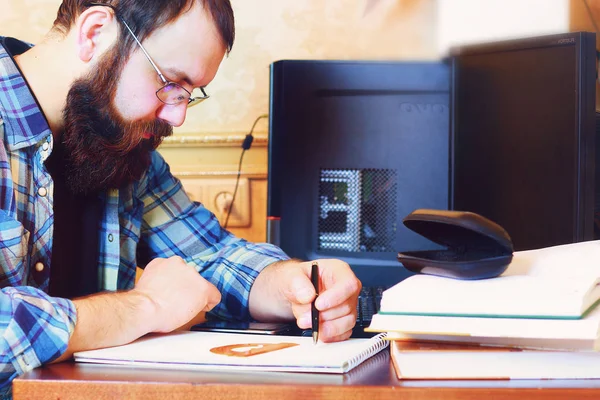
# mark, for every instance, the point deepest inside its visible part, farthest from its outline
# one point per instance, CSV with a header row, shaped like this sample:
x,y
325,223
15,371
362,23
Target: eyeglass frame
x,y
192,101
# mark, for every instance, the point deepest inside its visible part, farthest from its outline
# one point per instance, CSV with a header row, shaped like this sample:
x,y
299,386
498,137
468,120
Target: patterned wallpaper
x,y
270,30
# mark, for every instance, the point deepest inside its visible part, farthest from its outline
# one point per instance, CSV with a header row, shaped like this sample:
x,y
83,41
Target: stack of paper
x,y
545,300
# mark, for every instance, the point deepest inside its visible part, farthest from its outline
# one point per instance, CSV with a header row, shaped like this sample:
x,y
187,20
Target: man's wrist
x,y
268,302
145,310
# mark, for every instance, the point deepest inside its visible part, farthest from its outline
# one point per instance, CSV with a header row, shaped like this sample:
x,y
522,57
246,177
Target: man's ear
x,y
96,30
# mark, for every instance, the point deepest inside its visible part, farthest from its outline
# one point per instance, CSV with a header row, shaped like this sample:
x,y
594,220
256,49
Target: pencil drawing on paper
x,y
250,349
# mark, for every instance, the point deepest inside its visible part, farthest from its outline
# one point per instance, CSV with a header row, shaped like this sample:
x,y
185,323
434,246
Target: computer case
x,y
353,148
523,139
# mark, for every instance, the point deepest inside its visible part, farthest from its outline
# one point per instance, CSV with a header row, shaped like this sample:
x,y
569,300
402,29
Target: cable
x,y
245,146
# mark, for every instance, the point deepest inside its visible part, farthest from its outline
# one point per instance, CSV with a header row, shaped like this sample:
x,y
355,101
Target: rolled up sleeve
x,y
173,225
35,330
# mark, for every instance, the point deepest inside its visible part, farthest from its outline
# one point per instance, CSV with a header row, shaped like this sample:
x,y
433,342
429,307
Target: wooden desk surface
x,y
374,379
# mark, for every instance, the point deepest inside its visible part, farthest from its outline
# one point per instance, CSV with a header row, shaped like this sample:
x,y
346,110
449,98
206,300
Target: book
x,y
238,352
568,344
552,282
422,360
579,334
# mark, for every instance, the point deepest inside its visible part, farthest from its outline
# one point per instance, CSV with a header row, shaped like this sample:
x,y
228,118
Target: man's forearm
x,y
109,319
167,296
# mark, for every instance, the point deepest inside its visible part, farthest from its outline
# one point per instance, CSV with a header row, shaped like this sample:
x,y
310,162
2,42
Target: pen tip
x,y
315,336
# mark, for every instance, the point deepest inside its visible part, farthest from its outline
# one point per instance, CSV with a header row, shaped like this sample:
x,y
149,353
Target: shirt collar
x,y
25,124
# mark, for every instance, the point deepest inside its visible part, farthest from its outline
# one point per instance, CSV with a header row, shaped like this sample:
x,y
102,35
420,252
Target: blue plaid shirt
x,y
151,218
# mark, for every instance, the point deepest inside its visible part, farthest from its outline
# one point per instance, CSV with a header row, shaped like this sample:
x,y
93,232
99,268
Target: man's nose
x,y
174,115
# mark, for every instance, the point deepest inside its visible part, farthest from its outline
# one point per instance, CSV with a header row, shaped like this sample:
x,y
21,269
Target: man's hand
x,y
168,295
177,291
284,291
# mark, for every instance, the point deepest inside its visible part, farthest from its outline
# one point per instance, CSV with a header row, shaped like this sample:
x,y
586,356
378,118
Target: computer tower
x,y
523,136
353,148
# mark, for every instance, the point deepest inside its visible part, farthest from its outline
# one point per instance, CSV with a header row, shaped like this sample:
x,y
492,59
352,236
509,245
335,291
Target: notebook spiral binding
x,y
370,351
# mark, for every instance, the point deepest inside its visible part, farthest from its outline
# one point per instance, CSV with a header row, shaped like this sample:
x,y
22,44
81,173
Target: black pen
x,y
314,277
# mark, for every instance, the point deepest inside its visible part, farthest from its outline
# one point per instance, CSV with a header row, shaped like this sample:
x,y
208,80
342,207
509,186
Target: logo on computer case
x,y
566,41
424,108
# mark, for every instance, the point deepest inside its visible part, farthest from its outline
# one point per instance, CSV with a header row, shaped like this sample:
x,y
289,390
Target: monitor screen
x,y
523,127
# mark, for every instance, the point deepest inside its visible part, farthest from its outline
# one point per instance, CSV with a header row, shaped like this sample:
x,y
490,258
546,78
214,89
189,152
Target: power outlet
x,y
216,196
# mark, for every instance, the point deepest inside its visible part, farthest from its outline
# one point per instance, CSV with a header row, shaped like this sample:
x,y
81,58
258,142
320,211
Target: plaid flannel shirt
x,y
148,219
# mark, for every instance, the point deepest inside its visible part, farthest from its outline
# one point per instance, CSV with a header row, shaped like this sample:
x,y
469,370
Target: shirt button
x,y
39,267
42,191
45,146
111,237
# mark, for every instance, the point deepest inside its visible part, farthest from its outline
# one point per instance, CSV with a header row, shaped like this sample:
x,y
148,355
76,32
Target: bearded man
x,y
85,198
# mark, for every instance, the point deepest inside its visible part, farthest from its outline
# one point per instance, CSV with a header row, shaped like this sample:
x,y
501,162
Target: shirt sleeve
x,y
35,330
173,225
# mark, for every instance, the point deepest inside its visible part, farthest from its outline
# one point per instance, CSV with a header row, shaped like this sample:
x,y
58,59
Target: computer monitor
x,y
353,148
523,136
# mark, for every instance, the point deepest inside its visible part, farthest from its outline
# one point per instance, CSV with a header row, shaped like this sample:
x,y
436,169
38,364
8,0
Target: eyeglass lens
x,y
173,93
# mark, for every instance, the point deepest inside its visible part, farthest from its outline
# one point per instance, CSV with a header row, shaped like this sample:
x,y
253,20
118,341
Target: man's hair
x,y
146,16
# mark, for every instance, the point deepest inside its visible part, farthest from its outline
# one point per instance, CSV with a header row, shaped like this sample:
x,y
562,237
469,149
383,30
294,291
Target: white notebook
x,y
552,282
241,352
577,334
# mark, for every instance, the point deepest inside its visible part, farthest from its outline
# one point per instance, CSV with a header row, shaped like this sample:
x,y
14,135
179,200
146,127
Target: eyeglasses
x,y
170,93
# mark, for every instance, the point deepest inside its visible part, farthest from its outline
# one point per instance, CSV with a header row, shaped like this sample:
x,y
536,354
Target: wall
x,y
270,30
468,21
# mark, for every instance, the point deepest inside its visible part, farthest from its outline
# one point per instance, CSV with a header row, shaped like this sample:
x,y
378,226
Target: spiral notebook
x,y
238,352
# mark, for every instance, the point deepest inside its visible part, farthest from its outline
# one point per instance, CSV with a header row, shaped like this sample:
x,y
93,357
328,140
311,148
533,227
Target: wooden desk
x,y
374,379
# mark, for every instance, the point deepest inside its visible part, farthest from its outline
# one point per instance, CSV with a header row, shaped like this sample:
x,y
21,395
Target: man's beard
x,y
103,151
